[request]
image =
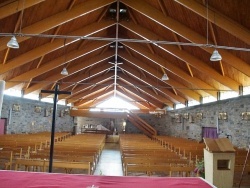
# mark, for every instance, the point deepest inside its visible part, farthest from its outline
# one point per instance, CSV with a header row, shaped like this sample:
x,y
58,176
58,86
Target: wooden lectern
x,y
219,159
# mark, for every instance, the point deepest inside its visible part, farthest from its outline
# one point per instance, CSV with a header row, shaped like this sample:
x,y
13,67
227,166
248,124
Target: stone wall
x,y
21,116
234,127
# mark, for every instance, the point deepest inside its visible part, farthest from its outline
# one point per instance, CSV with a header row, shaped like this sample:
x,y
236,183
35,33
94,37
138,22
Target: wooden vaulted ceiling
x,y
37,64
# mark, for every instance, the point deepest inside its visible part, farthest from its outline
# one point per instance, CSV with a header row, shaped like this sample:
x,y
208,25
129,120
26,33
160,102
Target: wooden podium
x,y
219,159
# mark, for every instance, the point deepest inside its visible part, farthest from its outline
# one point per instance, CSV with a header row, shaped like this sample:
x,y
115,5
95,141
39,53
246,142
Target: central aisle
x,y
110,161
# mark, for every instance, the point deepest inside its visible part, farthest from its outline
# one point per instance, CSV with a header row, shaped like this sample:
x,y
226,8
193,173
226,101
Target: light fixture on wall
x,y
165,77
64,71
13,43
215,56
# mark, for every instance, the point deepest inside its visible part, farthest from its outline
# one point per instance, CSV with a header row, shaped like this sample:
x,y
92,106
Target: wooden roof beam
x,y
71,70
88,99
49,47
12,8
173,68
53,64
146,90
90,93
187,33
58,19
133,72
218,19
146,97
125,96
184,56
79,86
154,102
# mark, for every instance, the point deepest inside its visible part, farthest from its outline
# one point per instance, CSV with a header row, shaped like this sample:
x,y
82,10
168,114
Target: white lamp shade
x,y
215,56
64,72
165,77
13,43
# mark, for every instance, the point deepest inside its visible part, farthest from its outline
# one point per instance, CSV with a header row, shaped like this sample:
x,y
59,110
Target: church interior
x,y
122,93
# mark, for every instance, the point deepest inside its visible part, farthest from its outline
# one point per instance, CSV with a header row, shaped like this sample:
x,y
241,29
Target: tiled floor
x,y
110,161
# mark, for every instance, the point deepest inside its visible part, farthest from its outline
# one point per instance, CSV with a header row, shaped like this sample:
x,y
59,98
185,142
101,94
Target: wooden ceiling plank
x,y
15,6
53,64
187,33
218,19
146,97
184,56
137,98
49,47
146,90
174,69
166,92
153,72
173,97
98,93
91,94
71,70
129,100
58,19
81,87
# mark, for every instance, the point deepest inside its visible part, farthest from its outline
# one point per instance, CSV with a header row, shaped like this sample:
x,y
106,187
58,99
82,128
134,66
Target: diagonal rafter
x,y
71,70
185,32
58,19
184,56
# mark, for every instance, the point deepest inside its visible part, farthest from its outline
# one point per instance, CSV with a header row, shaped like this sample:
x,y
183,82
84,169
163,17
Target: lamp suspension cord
x,y
21,21
207,19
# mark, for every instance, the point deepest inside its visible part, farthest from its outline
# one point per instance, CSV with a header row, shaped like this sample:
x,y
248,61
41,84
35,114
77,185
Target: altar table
x,y
19,179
